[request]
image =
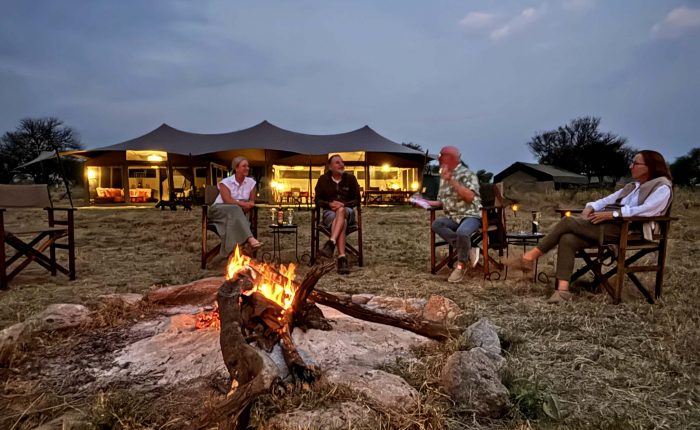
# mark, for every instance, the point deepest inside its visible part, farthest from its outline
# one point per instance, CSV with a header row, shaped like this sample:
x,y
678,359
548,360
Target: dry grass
x,y
595,365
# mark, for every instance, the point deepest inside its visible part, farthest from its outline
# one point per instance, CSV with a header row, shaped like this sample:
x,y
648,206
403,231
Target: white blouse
x,y
238,191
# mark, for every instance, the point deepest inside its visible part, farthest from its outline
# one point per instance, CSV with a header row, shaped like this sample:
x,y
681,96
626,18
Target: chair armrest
x,y
660,218
61,209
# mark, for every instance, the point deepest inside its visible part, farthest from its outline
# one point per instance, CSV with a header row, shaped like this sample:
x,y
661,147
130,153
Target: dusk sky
x,y
482,75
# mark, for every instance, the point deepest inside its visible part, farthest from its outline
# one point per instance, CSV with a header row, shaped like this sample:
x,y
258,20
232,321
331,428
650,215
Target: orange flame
x,y
266,282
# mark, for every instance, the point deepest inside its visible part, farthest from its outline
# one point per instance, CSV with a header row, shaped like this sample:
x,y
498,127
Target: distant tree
x,y
484,176
31,137
581,148
686,169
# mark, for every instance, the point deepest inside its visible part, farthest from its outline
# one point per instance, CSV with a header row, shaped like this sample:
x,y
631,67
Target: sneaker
x,y
517,262
343,268
328,249
560,296
457,274
474,253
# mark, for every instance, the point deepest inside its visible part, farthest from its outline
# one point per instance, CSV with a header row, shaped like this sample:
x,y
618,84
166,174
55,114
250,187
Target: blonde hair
x,y
236,161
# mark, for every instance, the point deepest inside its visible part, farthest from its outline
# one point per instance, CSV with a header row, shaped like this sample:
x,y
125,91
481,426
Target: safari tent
x,y
168,161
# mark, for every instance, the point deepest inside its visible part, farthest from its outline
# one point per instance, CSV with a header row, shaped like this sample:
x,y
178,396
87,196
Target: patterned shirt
x,y
238,191
454,206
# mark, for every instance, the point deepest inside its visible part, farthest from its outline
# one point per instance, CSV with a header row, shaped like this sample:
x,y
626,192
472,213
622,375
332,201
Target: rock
x,y
201,292
336,417
54,317
353,341
387,305
388,391
125,299
483,334
471,378
441,309
361,299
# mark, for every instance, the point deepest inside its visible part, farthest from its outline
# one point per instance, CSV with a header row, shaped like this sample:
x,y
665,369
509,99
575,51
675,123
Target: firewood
x,y
429,329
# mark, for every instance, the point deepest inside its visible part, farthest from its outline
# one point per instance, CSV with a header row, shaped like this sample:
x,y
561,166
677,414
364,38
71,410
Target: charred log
x,y
429,329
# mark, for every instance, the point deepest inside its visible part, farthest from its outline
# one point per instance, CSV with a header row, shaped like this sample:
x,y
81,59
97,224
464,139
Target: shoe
x,y
474,253
560,296
517,262
328,249
457,274
343,268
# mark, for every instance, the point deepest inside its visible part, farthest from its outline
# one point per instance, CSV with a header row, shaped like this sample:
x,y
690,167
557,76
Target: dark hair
x,y
332,157
655,164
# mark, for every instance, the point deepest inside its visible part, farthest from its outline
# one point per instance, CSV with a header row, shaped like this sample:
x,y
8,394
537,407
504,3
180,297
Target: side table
x,y
277,231
524,239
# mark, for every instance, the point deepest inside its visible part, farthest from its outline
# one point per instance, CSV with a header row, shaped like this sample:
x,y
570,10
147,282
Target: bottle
x,y
290,216
280,216
535,222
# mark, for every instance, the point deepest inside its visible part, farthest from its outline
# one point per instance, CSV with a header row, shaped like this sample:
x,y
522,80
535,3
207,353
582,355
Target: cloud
x,y
517,24
678,22
478,21
578,5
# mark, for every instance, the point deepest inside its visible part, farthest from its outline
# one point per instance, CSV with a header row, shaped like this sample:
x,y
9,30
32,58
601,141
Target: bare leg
x,y
338,225
341,240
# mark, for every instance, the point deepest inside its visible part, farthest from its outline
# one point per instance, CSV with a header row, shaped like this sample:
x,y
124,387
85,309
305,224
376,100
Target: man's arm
x,y
320,195
354,192
462,189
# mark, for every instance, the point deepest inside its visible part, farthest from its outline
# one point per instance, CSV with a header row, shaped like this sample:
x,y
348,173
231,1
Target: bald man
x,y
459,198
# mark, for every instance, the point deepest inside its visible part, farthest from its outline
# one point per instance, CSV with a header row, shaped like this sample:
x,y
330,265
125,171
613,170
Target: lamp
x,y
415,186
154,158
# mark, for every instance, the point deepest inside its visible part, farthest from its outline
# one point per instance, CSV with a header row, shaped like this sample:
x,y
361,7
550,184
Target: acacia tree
x,y
581,148
32,137
686,169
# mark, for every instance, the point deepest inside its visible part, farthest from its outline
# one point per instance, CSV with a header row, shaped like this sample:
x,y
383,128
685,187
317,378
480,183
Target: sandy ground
x,y
629,366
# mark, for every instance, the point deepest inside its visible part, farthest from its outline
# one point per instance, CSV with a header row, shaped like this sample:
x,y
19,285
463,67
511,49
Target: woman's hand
x,y
598,217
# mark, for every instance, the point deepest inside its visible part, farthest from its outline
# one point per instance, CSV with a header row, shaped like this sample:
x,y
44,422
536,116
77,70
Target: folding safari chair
x,y
211,192
31,243
623,257
491,236
318,228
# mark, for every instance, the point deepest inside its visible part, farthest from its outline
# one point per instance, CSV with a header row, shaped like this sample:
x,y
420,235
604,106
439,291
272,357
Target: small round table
x,y
277,231
524,239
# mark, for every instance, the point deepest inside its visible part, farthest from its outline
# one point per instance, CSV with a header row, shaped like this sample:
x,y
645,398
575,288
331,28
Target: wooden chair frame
x,y
491,236
620,258
317,228
32,250
207,254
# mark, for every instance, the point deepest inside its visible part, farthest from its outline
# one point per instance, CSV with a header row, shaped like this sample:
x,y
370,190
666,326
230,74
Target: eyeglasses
x,y
634,163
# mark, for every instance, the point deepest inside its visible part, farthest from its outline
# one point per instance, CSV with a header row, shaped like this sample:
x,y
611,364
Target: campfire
x,y
261,304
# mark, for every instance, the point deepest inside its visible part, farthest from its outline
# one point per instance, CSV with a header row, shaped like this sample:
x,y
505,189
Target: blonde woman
x,y
228,213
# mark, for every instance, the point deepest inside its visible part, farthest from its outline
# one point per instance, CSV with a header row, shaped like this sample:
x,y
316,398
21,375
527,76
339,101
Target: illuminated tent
x,y
202,158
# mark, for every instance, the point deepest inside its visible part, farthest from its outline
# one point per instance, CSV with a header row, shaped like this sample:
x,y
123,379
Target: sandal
x,y
517,262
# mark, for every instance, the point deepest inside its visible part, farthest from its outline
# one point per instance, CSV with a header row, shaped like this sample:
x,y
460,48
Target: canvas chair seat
x,y
42,238
490,237
318,229
623,257
211,192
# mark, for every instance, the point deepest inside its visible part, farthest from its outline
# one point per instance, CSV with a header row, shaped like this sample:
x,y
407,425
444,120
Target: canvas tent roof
x,y
542,172
263,136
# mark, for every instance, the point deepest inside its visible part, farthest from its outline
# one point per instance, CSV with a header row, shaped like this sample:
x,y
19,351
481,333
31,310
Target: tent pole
x,y
366,177
63,174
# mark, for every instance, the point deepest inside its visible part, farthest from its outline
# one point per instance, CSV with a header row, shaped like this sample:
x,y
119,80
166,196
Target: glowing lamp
x,y
567,214
415,186
385,167
91,173
153,158
514,207
394,186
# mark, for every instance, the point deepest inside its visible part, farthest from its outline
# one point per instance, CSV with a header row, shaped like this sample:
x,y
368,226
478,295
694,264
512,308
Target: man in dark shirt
x,y
337,192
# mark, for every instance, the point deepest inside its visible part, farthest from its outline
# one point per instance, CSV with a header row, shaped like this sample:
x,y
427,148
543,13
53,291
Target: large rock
x,y
346,415
54,317
354,341
384,389
471,378
483,334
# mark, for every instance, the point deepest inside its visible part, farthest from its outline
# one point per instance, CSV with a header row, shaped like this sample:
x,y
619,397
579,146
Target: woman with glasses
x,y
649,195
